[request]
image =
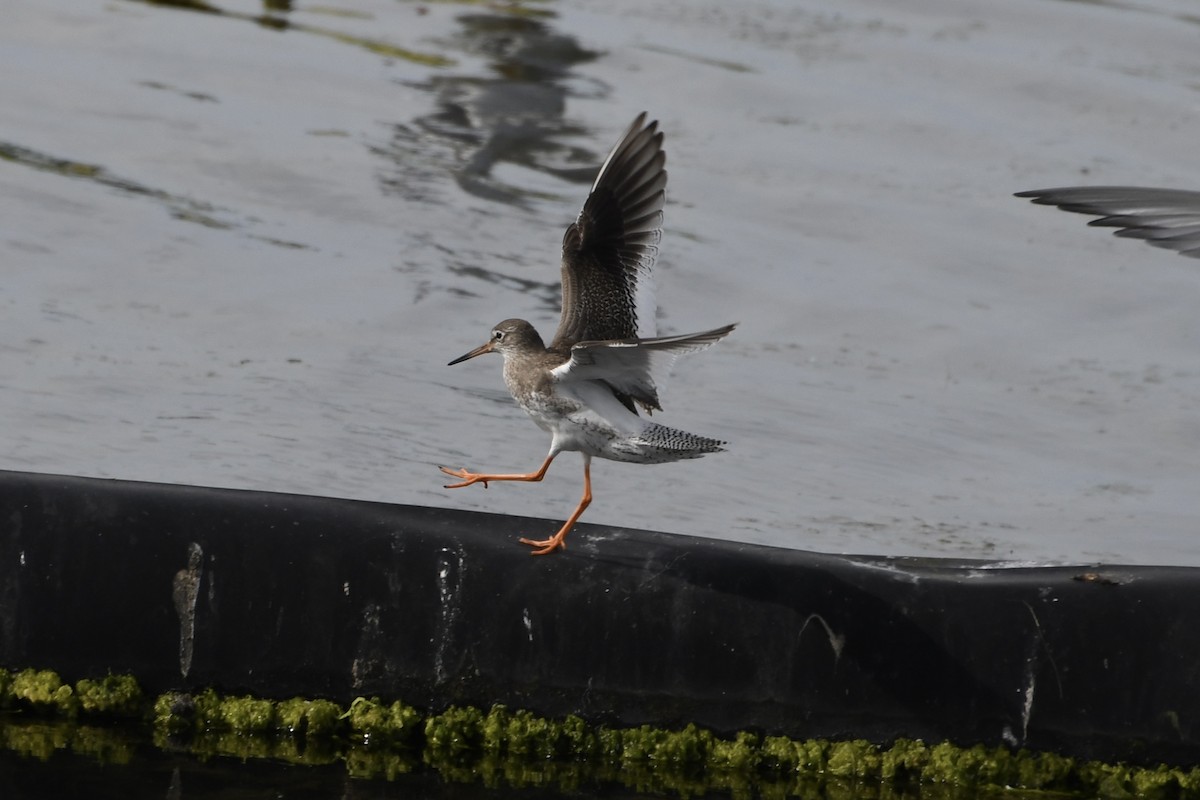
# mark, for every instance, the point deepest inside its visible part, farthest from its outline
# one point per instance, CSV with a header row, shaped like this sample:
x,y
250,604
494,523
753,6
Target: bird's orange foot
x,y
545,546
467,478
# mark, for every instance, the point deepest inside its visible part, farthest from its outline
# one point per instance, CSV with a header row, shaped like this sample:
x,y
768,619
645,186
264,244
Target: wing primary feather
x,y
634,367
1167,218
609,251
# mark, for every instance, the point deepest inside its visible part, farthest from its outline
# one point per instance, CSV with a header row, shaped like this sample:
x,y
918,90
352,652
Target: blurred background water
x,y
241,240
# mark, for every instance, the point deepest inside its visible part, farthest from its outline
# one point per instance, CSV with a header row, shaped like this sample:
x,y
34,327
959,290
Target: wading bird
x,y
605,359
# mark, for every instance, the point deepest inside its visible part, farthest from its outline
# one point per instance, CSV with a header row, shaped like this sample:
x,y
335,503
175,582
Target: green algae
x,y
782,755
517,735
309,718
246,716
454,731
376,722
515,747
112,695
742,754
854,759
172,713
43,690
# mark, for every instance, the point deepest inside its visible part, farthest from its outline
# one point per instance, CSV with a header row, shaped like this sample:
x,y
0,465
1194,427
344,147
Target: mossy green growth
x,y
523,734
904,761
578,738
782,755
1121,781
208,711
382,723
44,691
5,688
310,718
112,695
455,730
519,748
240,715
178,712
248,715
174,712
857,758
1037,770
686,748
742,754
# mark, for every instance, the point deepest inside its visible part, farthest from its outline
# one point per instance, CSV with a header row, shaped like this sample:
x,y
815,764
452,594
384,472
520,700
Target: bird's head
x,y
508,337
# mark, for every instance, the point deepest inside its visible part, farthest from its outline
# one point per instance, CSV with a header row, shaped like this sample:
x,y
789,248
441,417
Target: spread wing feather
x,y
634,367
1168,218
608,252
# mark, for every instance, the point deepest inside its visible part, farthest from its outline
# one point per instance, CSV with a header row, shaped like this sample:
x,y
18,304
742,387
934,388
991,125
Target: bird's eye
x,y
498,335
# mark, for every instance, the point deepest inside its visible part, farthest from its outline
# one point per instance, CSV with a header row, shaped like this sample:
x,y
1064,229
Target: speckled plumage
x,y
605,360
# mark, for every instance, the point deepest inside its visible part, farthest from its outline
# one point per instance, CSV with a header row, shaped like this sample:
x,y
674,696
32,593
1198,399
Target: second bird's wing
x,y
1167,218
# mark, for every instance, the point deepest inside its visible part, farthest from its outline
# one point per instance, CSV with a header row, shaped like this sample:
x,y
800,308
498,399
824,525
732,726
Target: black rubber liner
x,y
282,595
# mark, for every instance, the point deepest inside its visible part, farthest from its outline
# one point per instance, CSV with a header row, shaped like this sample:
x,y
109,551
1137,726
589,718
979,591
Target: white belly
x,y
584,416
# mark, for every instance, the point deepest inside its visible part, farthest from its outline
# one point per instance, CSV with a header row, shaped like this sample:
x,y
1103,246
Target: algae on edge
x,y
378,739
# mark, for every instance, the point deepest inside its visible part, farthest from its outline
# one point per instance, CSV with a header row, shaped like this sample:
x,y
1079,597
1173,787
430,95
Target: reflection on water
x,y
48,759
512,115
181,208
149,773
274,17
243,239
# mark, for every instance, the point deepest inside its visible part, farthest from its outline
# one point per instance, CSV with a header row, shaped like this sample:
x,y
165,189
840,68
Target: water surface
x,y
240,244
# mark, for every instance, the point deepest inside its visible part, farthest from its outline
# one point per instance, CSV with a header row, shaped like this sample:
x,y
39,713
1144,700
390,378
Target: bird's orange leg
x,y
557,540
474,477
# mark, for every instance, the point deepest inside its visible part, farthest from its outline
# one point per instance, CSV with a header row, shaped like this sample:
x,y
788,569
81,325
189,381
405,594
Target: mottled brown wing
x,y
608,253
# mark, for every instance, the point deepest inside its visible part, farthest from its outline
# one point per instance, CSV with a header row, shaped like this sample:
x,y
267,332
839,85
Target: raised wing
x,y
634,367
1167,218
608,252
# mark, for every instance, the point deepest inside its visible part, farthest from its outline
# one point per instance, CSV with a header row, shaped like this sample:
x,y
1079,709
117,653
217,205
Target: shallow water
x,y
240,247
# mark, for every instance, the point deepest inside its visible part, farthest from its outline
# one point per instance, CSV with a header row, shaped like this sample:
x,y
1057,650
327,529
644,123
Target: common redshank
x,y
1167,218
605,359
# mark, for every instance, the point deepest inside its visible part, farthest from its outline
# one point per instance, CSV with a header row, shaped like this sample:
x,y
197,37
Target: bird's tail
x,y
657,444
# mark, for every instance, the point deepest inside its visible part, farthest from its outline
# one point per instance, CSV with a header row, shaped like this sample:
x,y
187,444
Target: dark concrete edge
x,y
628,627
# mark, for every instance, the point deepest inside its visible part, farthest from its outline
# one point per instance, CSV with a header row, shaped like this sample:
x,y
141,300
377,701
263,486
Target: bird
x,y
1168,218
605,360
